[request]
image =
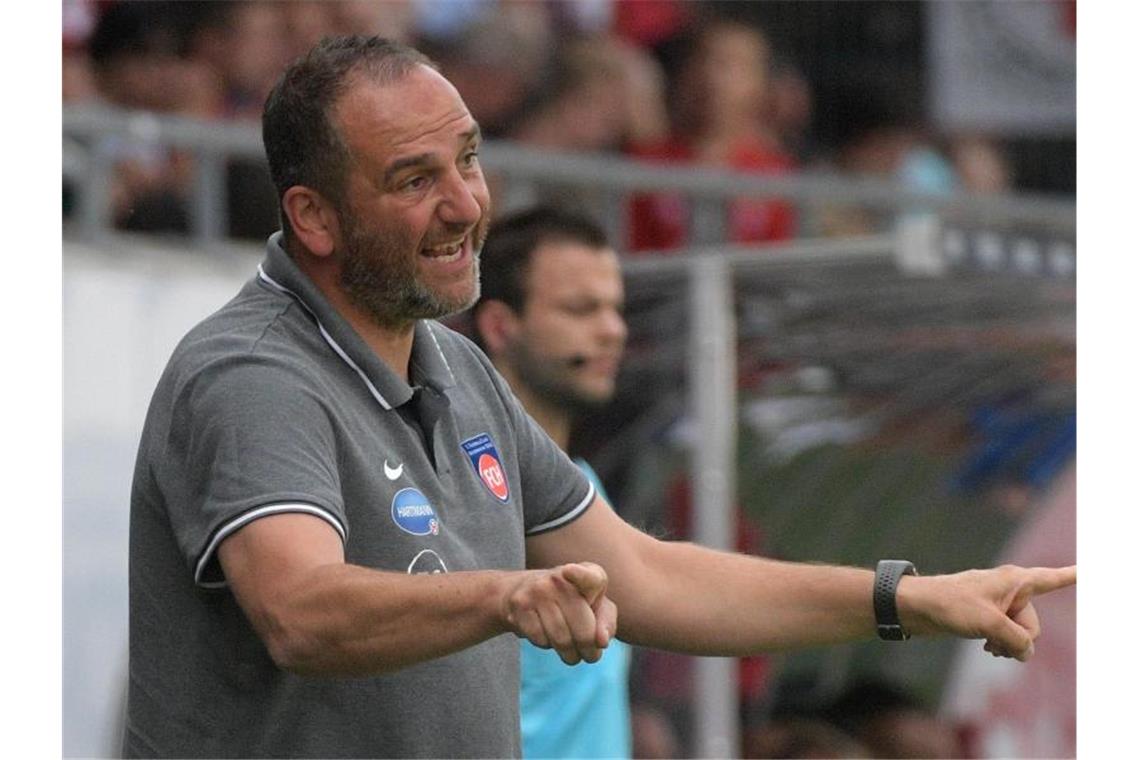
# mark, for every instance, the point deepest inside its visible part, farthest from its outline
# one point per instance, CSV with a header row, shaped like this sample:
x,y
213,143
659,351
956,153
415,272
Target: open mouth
x,y
445,252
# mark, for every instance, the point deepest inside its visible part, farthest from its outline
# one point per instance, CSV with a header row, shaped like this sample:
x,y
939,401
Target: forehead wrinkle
x,y
362,102
444,123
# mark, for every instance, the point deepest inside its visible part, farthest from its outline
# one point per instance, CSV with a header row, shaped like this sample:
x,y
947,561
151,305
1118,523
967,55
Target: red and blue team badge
x,y
488,465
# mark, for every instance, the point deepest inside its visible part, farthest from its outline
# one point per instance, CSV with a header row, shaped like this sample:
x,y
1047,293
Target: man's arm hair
x,y
684,597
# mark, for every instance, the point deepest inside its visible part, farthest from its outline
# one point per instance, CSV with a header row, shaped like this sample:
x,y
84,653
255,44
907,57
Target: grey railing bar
x,y
619,173
756,256
808,187
235,138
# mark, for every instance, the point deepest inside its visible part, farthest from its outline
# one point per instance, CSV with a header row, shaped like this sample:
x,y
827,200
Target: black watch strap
x,y
887,576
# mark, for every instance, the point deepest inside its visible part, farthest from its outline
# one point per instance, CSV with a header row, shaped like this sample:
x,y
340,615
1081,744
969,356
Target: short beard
x,y
378,275
548,379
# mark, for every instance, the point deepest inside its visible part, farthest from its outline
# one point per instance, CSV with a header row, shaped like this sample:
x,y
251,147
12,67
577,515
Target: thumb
x,y
607,613
588,578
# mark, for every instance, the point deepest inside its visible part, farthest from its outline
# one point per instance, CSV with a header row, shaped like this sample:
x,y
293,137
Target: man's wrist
x,y
914,604
503,584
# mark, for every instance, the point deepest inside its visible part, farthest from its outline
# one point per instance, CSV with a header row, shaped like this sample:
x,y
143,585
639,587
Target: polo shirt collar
x,y
428,364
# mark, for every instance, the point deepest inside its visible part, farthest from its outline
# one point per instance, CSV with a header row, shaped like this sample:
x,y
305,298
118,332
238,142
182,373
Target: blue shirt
x,y
579,711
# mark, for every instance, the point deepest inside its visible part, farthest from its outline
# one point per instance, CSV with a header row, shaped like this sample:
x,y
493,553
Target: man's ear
x,y
314,220
496,324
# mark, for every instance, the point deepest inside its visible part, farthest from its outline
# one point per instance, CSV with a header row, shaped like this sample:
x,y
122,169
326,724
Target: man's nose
x,y
460,203
614,327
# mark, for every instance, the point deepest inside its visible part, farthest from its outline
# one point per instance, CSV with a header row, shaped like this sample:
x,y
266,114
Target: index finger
x,y
1045,579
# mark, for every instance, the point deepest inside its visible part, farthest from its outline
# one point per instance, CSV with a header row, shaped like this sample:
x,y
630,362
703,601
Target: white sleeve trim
x,y
247,517
573,513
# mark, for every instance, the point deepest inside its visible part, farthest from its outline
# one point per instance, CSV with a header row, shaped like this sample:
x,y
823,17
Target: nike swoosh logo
x,y
393,472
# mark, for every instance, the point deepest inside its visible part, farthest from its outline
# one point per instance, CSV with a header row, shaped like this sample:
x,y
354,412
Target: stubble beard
x,y
378,274
550,379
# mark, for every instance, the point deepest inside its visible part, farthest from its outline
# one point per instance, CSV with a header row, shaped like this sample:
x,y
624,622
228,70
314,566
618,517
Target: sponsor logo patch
x,y
413,513
392,473
488,466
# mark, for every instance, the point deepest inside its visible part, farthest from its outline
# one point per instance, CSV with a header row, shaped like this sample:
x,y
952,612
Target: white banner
x,y
1003,66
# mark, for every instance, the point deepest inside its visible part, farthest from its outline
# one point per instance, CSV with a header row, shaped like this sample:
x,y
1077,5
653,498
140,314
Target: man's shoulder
x,y
255,325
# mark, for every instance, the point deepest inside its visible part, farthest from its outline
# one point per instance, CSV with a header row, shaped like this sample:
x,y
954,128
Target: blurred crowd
x,y
655,80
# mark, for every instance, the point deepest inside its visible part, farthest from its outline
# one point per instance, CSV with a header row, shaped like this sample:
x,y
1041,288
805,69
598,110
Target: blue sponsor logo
x,y
488,465
413,513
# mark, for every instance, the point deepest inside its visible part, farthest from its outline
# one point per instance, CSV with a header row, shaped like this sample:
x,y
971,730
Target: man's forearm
x,y
715,603
320,616
348,620
689,598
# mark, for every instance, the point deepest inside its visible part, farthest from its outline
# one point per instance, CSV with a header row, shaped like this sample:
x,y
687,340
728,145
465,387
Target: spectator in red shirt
x,y
718,107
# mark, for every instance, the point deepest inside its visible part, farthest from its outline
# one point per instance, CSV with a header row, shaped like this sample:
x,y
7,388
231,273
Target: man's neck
x,y
551,417
392,344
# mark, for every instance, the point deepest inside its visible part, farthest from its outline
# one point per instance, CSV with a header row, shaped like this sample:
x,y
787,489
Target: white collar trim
x,y
328,338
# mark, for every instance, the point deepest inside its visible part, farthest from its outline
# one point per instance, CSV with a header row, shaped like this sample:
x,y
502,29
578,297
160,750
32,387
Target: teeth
x,y
446,252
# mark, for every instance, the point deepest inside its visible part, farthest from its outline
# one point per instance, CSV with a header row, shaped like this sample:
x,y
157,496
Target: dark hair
x,y
506,256
512,240
302,143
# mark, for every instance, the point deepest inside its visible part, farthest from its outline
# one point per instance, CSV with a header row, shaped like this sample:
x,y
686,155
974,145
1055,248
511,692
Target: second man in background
x,y
550,318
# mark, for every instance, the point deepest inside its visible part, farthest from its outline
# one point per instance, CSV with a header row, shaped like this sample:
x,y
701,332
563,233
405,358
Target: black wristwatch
x,y
887,576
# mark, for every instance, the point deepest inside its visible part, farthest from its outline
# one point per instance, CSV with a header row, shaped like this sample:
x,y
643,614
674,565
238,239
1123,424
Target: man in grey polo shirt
x,y
336,500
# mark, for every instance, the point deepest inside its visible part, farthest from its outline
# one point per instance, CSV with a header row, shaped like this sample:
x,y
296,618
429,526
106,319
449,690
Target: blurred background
x,y
848,230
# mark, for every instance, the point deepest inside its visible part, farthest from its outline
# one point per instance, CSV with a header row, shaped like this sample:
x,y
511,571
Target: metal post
x,y
209,210
710,221
613,217
95,193
712,386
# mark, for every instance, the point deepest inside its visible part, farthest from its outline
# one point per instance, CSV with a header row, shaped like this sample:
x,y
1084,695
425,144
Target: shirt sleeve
x,y
249,437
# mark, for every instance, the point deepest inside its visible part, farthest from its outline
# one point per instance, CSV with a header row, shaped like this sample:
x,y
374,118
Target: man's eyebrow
x,y
397,166
424,159
472,135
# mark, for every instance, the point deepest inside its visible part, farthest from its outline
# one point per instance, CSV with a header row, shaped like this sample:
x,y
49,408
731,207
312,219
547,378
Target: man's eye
x,y
415,183
471,158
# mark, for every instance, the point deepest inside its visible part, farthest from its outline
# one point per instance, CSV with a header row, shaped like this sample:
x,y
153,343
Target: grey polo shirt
x,y
274,404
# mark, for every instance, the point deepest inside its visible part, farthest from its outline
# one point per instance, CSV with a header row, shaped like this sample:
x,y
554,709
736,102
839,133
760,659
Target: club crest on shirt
x,y
413,513
488,465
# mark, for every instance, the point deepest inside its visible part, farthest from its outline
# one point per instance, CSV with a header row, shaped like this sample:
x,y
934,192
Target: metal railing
x,y
95,132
